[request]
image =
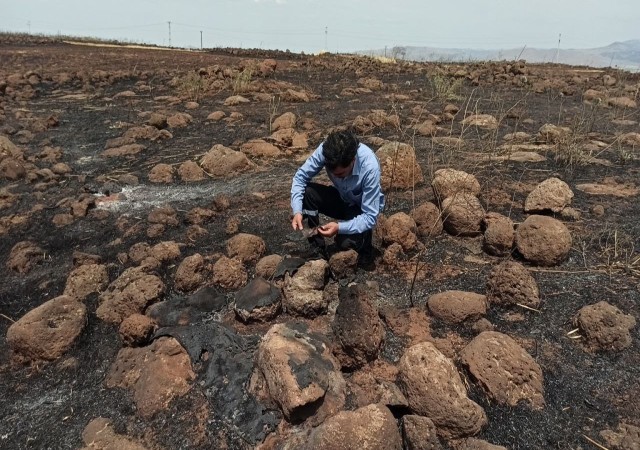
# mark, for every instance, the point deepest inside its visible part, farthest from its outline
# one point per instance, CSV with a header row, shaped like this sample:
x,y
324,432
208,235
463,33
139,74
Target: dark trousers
x,y
319,198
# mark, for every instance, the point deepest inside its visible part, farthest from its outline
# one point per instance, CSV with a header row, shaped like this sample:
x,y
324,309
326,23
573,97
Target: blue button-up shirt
x,y
361,188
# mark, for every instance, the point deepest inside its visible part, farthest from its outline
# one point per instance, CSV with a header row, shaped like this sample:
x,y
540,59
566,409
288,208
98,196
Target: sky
x,y
334,25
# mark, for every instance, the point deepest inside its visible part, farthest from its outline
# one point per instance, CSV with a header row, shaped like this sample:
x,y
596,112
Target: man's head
x,y
339,150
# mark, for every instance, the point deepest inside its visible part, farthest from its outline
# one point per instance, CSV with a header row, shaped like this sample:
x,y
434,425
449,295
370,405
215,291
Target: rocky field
x,y
154,296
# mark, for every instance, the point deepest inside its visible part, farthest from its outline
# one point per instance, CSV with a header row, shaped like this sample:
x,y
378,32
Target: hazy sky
x,y
350,24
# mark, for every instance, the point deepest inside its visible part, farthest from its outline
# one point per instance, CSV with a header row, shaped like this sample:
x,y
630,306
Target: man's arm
x,y
312,166
371,193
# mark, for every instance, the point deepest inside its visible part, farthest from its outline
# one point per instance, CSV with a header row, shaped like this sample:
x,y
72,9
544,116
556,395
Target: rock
x,y
597,210
266,267
157,120
198,216
343,264
229,273
12,169
165,251
62,220
621,102
191,105
553,134
299,372
433,388
100,435
399,167
221,161
591,94
247,247
504,369
191,273
286,120
217,116
235,100
136,330
123,150
48,331
179,120
190,171
552,194
164,215
543,240
259,148
399,228
419,433
303,292
510,283
630,139
450,182
24,256
258,301
130,293
457,306
463,214
156,374
161,173
428,219
85,280
82,258
427,128
139,251
605,327
498,234
570,214
357,327
477,444
61,169
626,437
485,121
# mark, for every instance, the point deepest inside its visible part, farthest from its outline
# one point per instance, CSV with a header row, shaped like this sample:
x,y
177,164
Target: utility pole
x,y
326,32
29,26
558,50
200,39
169,22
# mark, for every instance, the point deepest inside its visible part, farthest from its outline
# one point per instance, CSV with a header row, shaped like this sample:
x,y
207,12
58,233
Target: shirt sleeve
x,y
311,167
371,195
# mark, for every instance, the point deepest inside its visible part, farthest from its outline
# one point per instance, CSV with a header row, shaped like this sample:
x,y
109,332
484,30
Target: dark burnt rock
x,y
258,301
288,265
419,433
605,326
510,283
187,310
358,328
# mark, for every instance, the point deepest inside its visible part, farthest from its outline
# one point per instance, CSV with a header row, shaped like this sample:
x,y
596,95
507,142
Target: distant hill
x,y
624,55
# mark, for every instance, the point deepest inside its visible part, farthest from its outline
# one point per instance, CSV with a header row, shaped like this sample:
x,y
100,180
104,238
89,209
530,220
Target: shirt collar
x,y
356,165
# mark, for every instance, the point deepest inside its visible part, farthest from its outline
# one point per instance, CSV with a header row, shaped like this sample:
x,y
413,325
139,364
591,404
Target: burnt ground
x,y
48,406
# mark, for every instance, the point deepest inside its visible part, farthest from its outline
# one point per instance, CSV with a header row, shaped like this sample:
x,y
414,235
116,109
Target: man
x,y
355,200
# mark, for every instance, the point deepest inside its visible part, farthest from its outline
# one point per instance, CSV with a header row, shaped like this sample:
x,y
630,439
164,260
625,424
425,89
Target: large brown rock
x,y
136,330
553,134
191,273
434,389
399,166
259,148
286,120
164,215
266,267
190,171
463,214
156,374
510,283
622,102
419,433
229,273
165,251
299,372
476,444
247,247
343,264
605,327
450,182
626,437
400,229
498,234
504,369
486,121
24,256
100,435
258,301
48,331
303,292
457,306
161,173
221,161
552,194
12,169
357,327
85,280
543,240
428,219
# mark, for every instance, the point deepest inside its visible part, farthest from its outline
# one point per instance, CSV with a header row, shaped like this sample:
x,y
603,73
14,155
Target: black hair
x,y
339,149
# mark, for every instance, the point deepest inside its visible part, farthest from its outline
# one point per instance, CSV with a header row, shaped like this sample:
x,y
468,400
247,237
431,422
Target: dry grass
x,y
240,83
191,86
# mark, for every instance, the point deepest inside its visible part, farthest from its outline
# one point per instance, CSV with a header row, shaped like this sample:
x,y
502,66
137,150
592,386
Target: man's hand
x,y
296,222
328,230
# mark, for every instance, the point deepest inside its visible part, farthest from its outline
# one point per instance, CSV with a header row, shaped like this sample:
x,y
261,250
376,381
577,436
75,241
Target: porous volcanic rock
x,y
626,437
419,433
100,435
24,256
434,389
552,194
357,327
179,120
299,372
553,134
259,148
235,100
221,161
510,283
48,331
258,301
451,182
266,267
605,327
498,234
286,120
85,280
139,251
12,169
157,120
229,273
399,166
216,116
543,240
156,374
164,215
505,370
622,102
130,293
123,150
247,247
303,292
463,214
191,273
399,228
343,264
486,121
190,171
476,444
457,306
136,330
165,251
161,173
428,219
